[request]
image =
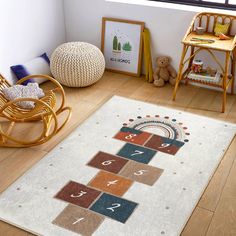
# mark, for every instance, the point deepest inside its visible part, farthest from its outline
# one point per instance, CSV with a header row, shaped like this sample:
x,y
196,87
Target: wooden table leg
x,y
2,140
181,67
190,61
225,77
233,71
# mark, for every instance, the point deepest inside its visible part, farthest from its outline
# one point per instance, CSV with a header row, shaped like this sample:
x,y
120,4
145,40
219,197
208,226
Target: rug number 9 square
x,y
162,144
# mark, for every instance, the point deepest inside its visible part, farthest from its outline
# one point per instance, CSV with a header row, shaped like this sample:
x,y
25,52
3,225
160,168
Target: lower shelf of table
x,y
211,84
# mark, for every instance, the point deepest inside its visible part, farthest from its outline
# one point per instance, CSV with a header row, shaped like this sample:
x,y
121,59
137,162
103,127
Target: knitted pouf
x,y
77,64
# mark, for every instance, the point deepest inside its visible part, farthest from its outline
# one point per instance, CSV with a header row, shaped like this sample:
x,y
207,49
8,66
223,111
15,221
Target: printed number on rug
x,y
112,182
77,221
79,195
108,162
137,152
114,206
140,172
131,136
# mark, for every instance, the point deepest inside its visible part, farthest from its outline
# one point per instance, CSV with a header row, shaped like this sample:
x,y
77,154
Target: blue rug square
x,y
114,207
137,153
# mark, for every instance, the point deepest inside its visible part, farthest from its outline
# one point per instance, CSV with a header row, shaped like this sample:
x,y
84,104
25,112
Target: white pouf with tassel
x,y
77,64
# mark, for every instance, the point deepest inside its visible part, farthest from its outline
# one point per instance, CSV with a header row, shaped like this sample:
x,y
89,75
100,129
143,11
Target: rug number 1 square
x,y
79,220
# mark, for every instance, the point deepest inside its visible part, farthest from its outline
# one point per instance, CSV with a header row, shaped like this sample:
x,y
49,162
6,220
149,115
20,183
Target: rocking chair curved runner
x,y
45,113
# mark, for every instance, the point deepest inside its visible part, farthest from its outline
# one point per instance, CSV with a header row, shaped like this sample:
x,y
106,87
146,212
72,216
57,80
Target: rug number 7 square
x,y
137,153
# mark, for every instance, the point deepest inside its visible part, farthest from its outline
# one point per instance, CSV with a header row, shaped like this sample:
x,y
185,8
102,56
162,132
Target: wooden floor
x,y
215,213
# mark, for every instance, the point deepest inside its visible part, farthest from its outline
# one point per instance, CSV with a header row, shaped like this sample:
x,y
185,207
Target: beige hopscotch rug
x,y
131,169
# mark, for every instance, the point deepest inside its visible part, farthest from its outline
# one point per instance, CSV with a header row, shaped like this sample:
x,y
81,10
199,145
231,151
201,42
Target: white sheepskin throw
x,y
31,90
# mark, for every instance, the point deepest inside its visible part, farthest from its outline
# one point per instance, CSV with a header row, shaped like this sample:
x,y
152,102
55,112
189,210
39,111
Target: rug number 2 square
x,y
114,207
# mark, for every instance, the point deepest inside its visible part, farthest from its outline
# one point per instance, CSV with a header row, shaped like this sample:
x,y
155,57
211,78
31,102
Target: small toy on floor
x,y
164,72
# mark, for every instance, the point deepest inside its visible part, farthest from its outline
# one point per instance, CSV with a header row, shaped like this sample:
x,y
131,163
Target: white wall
x,y
29,28
167,26
84,18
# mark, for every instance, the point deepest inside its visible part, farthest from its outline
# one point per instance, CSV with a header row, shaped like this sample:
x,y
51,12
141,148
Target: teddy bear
x,y
164,72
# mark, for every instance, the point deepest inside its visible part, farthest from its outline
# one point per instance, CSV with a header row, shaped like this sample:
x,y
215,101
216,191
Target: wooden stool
x,y
209,42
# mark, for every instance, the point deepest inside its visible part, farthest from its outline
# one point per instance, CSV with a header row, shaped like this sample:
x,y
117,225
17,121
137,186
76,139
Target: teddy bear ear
x,y
169,58
159,58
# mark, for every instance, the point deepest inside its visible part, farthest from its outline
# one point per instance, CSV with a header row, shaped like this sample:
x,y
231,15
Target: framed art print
x,y
122,45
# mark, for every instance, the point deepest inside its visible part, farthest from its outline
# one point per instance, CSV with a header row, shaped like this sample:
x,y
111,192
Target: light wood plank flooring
x,y
215,213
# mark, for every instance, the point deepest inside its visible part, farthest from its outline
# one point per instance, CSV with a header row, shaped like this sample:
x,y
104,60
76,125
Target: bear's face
x,y
163,61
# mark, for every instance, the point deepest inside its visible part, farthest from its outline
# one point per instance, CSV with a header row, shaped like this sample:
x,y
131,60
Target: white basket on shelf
x,y
205,77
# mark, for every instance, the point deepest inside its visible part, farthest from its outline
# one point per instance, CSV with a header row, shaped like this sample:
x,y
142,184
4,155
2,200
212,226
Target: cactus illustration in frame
x,y
122,45
127,47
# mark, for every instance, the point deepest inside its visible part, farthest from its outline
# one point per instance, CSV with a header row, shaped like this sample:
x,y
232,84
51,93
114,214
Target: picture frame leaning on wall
x,y
122,45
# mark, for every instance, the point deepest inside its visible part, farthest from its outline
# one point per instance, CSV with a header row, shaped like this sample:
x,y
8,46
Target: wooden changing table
x,y
228,47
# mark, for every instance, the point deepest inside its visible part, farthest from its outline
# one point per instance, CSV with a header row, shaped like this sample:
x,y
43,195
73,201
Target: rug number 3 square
x,y
78,194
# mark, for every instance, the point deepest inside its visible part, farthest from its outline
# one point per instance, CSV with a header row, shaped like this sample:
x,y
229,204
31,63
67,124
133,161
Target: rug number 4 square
x,y
111,183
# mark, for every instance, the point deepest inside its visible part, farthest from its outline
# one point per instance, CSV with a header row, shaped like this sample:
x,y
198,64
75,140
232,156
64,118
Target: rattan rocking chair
x,y
45,113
